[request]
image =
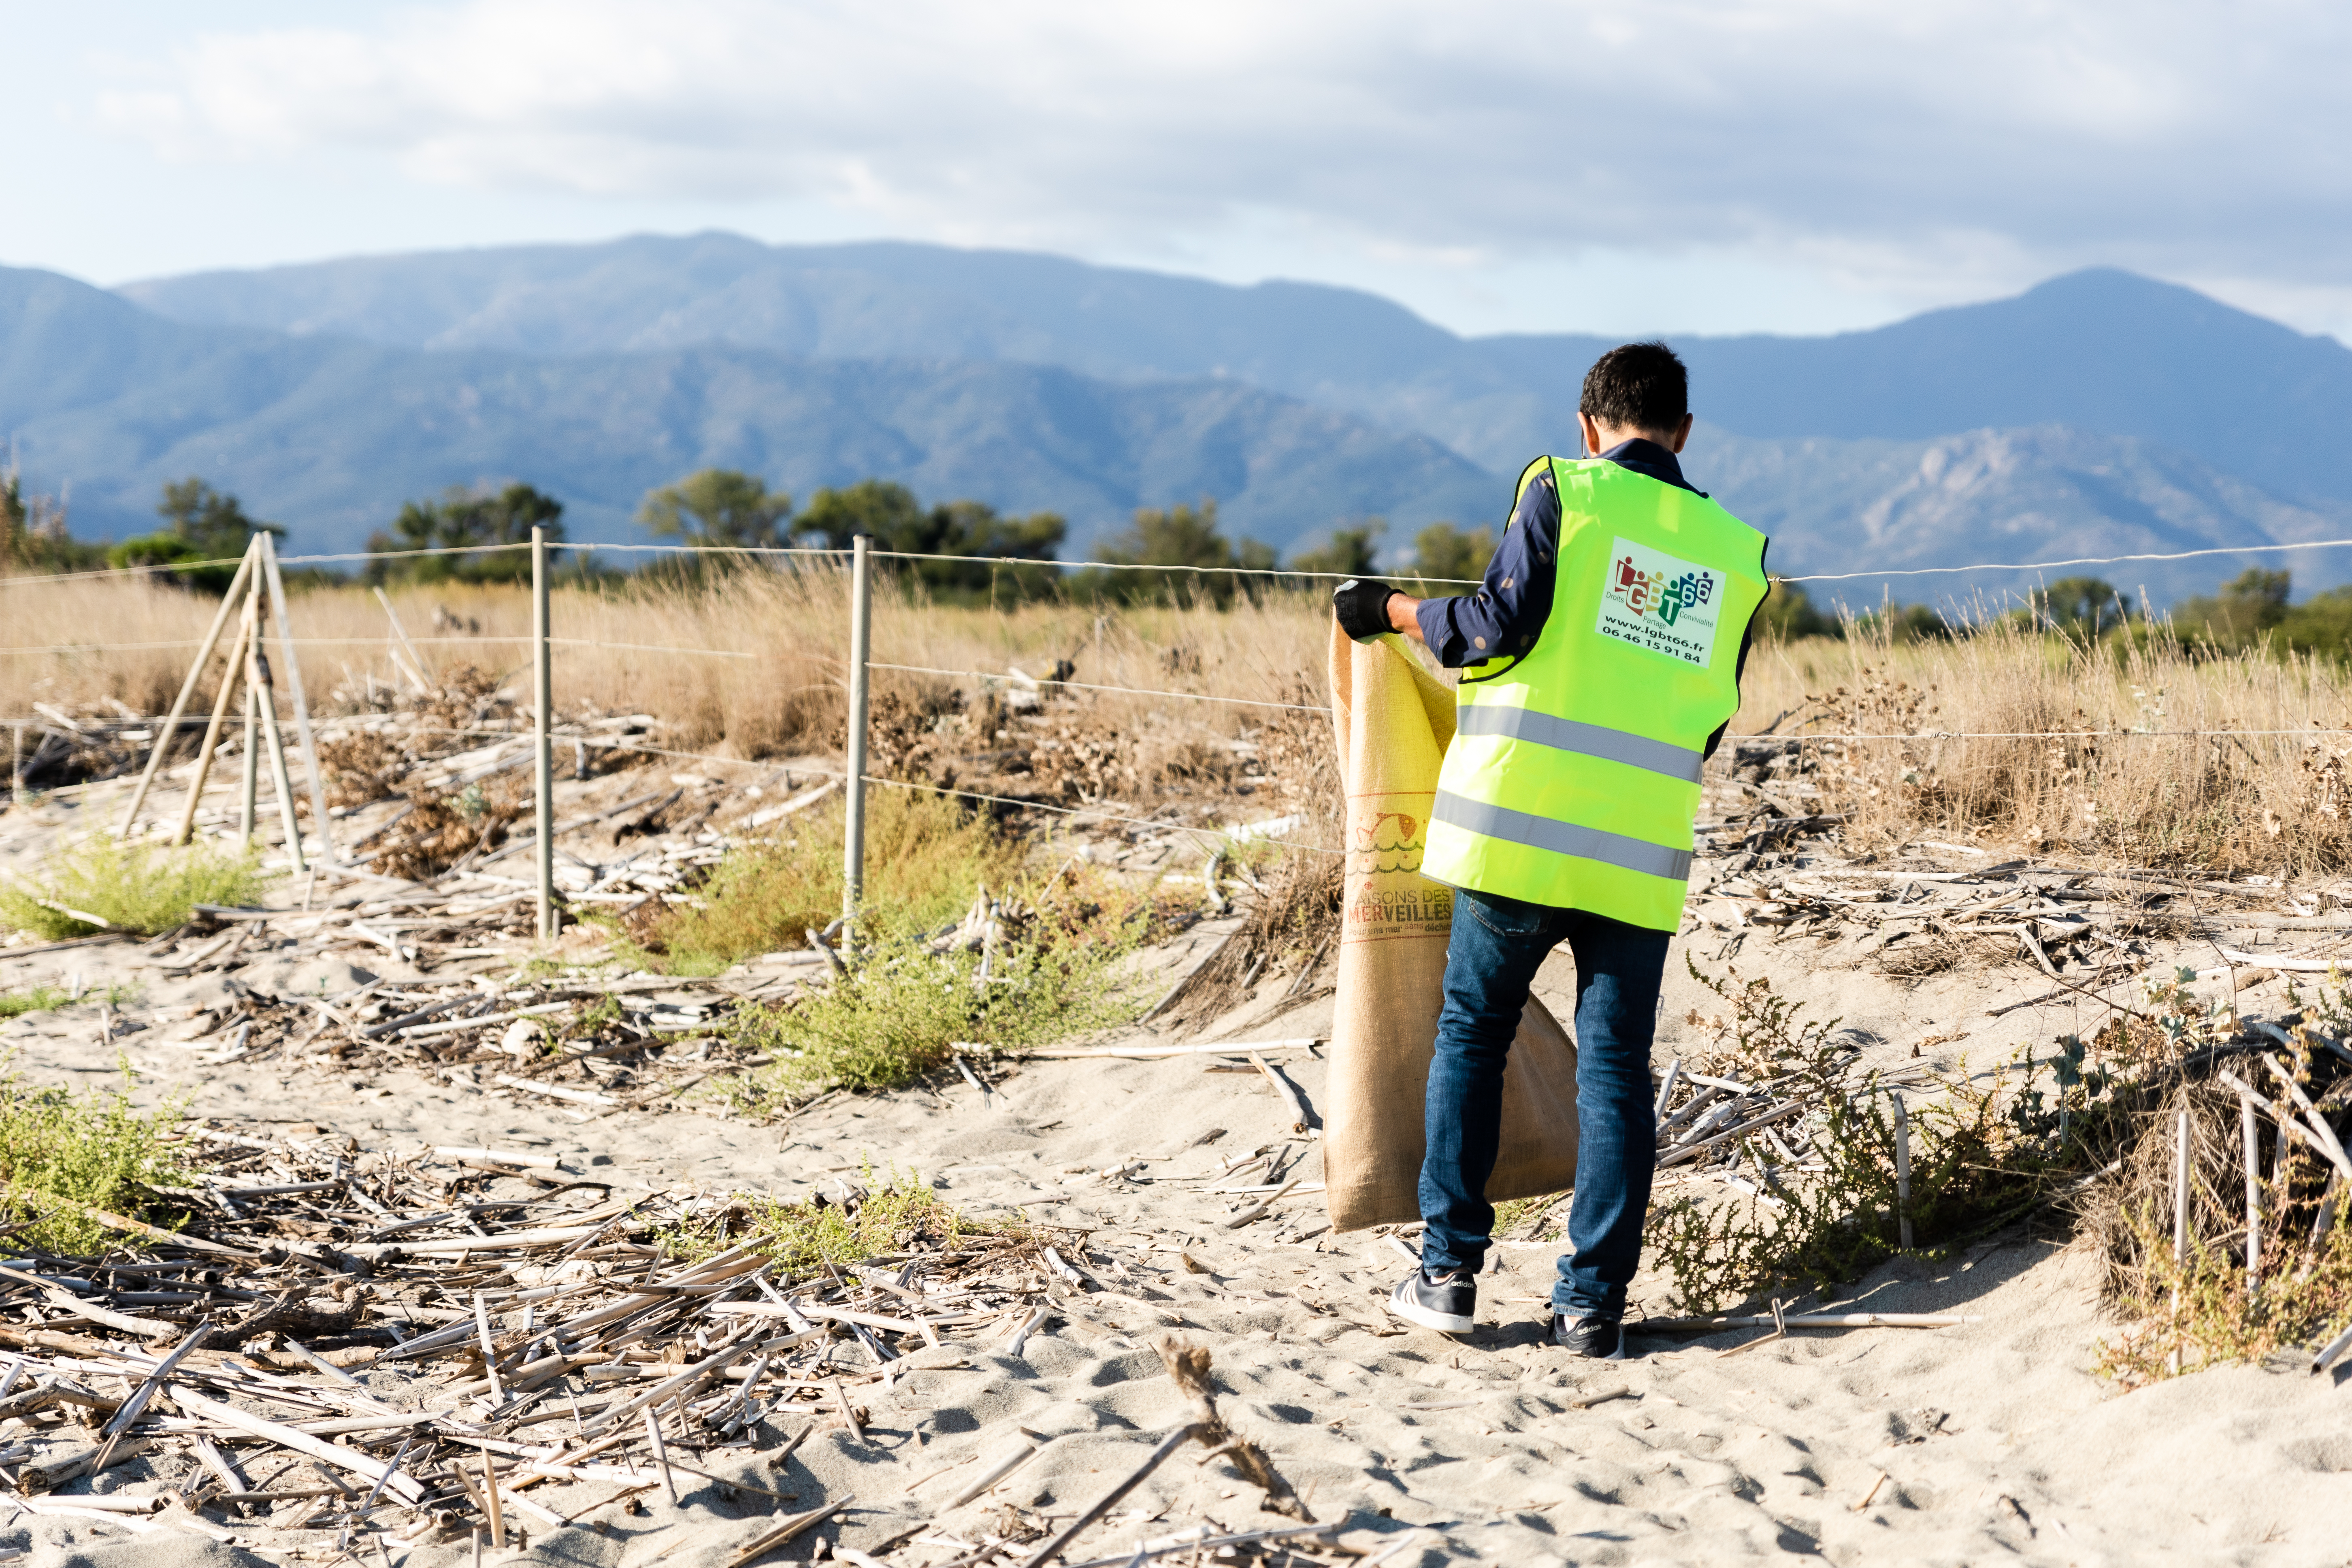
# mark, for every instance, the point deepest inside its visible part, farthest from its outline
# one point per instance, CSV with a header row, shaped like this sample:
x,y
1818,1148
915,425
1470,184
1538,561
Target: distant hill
x,y
2101,351
2047,492
331,434
2098,413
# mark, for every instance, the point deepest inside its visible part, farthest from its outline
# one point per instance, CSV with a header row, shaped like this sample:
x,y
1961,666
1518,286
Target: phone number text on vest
x,y
1660,603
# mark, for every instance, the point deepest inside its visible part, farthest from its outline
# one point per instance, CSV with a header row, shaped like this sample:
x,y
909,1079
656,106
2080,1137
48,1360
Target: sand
x,y
1991,1440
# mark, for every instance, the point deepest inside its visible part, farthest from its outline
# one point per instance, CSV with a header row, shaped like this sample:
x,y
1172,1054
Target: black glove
x,y
1362,606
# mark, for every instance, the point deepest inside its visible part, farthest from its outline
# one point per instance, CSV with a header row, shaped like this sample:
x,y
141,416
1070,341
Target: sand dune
x,y
1987,1441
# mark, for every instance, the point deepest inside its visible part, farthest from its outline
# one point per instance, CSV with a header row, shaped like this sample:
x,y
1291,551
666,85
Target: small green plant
x,y
924,855
1978,1162
886,1212
1512,1213
899,1017
136,888
2201,1310
63,1153
40,999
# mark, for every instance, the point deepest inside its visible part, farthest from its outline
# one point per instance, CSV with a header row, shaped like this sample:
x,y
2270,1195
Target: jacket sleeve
x,y
1507,613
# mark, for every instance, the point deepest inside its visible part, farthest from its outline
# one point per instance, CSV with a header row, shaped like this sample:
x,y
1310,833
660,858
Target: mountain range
x,y
2100,413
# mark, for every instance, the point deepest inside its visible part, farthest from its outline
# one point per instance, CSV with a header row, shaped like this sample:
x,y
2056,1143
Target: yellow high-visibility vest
x,y
1573,776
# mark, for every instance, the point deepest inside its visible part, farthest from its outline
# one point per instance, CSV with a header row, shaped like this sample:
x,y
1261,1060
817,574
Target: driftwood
x,y
1188,1365
641,1358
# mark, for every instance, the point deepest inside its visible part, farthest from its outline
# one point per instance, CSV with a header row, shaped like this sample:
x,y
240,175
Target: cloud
x,y
1855,138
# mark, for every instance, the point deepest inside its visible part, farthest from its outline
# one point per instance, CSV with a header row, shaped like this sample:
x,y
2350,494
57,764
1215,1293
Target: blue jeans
x,y
1491,960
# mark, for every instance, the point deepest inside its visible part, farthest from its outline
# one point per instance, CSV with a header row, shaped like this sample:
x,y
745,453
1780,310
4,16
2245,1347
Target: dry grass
x,y
2134,789
784,696
1288,931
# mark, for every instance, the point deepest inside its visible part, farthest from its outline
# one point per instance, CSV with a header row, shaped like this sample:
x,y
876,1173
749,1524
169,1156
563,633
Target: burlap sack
x,y
1393,722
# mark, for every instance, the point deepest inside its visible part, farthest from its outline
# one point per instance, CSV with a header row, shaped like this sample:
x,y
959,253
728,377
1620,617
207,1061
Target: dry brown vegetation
x,y
2142,753
780,693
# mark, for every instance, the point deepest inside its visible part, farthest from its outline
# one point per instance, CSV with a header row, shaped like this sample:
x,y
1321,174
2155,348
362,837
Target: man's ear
x,y
1681,436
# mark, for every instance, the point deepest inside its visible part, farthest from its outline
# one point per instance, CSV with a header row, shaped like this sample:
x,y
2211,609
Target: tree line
x,y
971,554
967,552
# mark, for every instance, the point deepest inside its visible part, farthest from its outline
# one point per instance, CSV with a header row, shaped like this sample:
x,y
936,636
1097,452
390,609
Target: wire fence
x,y
859,560
2078,561
797,770
1040,681
1042,564
369,642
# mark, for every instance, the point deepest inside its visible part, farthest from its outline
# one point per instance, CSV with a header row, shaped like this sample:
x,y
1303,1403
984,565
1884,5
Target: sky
x,y
1778,165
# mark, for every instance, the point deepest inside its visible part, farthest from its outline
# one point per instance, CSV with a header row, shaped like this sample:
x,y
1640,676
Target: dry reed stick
x,y
1104,1504
2179,1226
497,1509
1902,1172
169,730
785,1532
1032,1446
661,1456
239,655
2250,1135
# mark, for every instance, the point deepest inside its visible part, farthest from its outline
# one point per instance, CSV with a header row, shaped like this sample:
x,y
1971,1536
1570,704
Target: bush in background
x,y
924,856
1001,560
1446,559
136,887
1177,536
63,1154
205,525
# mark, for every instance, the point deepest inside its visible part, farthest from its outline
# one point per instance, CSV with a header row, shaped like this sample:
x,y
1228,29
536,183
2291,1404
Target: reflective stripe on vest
x,y
1561,838
1585,739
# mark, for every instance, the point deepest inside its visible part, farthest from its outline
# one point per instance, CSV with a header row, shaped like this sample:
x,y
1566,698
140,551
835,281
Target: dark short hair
x,y
1639,387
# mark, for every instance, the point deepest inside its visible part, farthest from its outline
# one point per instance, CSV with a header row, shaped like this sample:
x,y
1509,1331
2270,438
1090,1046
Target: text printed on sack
x,y
1387,896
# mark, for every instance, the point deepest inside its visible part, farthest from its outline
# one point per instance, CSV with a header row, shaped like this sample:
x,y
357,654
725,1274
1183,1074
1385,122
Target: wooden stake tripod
x,y
245,663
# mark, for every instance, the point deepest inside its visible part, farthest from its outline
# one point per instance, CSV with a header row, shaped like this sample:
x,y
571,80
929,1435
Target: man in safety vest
x,y
1600,663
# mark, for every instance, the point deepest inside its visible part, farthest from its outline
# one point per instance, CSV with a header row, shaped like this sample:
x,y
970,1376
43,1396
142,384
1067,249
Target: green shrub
x,y
135,888
63,1153
40,999
895,1018
886,1213
2221,1316
925,855
1978,1162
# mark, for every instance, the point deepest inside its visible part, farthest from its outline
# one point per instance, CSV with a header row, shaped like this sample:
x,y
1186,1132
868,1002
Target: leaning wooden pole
x,y
257,675
251,782
170,729
302,736
230,675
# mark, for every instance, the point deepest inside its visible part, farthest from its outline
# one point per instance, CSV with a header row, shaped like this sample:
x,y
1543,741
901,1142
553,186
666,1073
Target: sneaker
x,y
1446,1302
1595,1339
